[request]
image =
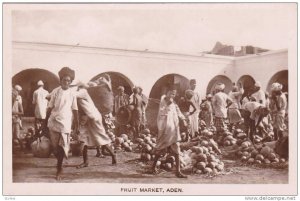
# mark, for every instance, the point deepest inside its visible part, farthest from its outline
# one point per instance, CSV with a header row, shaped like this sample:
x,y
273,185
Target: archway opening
x,y
282,78
159,88
247,82
117,79
28,79
217,79
162,84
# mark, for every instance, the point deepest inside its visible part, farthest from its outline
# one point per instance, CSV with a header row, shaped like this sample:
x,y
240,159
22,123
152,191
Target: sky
x,y
174,28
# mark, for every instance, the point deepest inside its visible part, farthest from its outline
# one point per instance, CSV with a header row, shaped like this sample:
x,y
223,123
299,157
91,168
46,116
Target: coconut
x,y
146,131
129,149
158,163
198,171
153,140
257,161
266,151
204,143
266,161
229,138
219,167
119,140
241,135
168,166
201,165
199,150
202,158
211,158
239,153
237,131
124,136
227,143
254,153
282,160
207,170
170,159
148,148
259,157
251,160
148,157
125,144
244,158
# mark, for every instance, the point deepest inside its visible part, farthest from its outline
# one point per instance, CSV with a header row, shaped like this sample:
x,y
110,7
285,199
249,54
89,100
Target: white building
x,y
34,61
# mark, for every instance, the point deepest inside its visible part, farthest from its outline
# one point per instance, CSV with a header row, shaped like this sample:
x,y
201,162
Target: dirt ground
x,y
27,168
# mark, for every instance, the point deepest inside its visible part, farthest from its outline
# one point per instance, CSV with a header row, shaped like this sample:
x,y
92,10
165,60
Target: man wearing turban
x,y
196,99
220,104
259,95
62,109
121,99
40,102
278,105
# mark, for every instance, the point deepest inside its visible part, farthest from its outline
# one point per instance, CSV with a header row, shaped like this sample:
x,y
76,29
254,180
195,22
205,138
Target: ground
x,y
27,168
129,169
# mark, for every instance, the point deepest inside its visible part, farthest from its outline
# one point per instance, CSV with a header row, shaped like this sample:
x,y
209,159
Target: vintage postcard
x,y
150,99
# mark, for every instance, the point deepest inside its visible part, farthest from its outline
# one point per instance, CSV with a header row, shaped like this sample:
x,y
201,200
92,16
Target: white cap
x,y
81,84
220,86
92,84
276,86
257,84
18,88
40,83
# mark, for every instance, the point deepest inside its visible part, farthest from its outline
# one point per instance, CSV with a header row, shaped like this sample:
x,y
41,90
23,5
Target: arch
x,y
247,81
28,79
117,79
161,85
280,77
219,78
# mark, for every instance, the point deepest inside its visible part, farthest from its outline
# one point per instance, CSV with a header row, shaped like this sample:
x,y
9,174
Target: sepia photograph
x,y
150,99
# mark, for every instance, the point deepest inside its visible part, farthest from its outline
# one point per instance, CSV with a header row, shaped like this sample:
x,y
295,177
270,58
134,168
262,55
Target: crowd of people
x,y
68,109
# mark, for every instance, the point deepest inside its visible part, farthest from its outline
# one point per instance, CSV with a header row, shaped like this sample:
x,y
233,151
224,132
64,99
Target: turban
x,y
220,86
40,83
189,93
81,84
66,71
257,84
234,88
18,88
208,96
192,81
92,84
276,86
121,88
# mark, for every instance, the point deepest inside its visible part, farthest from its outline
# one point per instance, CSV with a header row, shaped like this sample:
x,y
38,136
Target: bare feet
x,y
114,160
82,165
100,155
58,175
180,175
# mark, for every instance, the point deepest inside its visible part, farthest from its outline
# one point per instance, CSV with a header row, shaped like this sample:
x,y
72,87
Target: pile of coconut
x,y
123,143
206,156
258,155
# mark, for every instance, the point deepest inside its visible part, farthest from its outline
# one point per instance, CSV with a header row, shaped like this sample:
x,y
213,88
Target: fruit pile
x,y
205,158
263,155
146,143
228,138
123,143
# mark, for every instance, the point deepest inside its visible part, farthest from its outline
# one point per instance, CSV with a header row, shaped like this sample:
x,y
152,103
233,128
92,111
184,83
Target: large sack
x,y
282,147
124,114
41,147
103,98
